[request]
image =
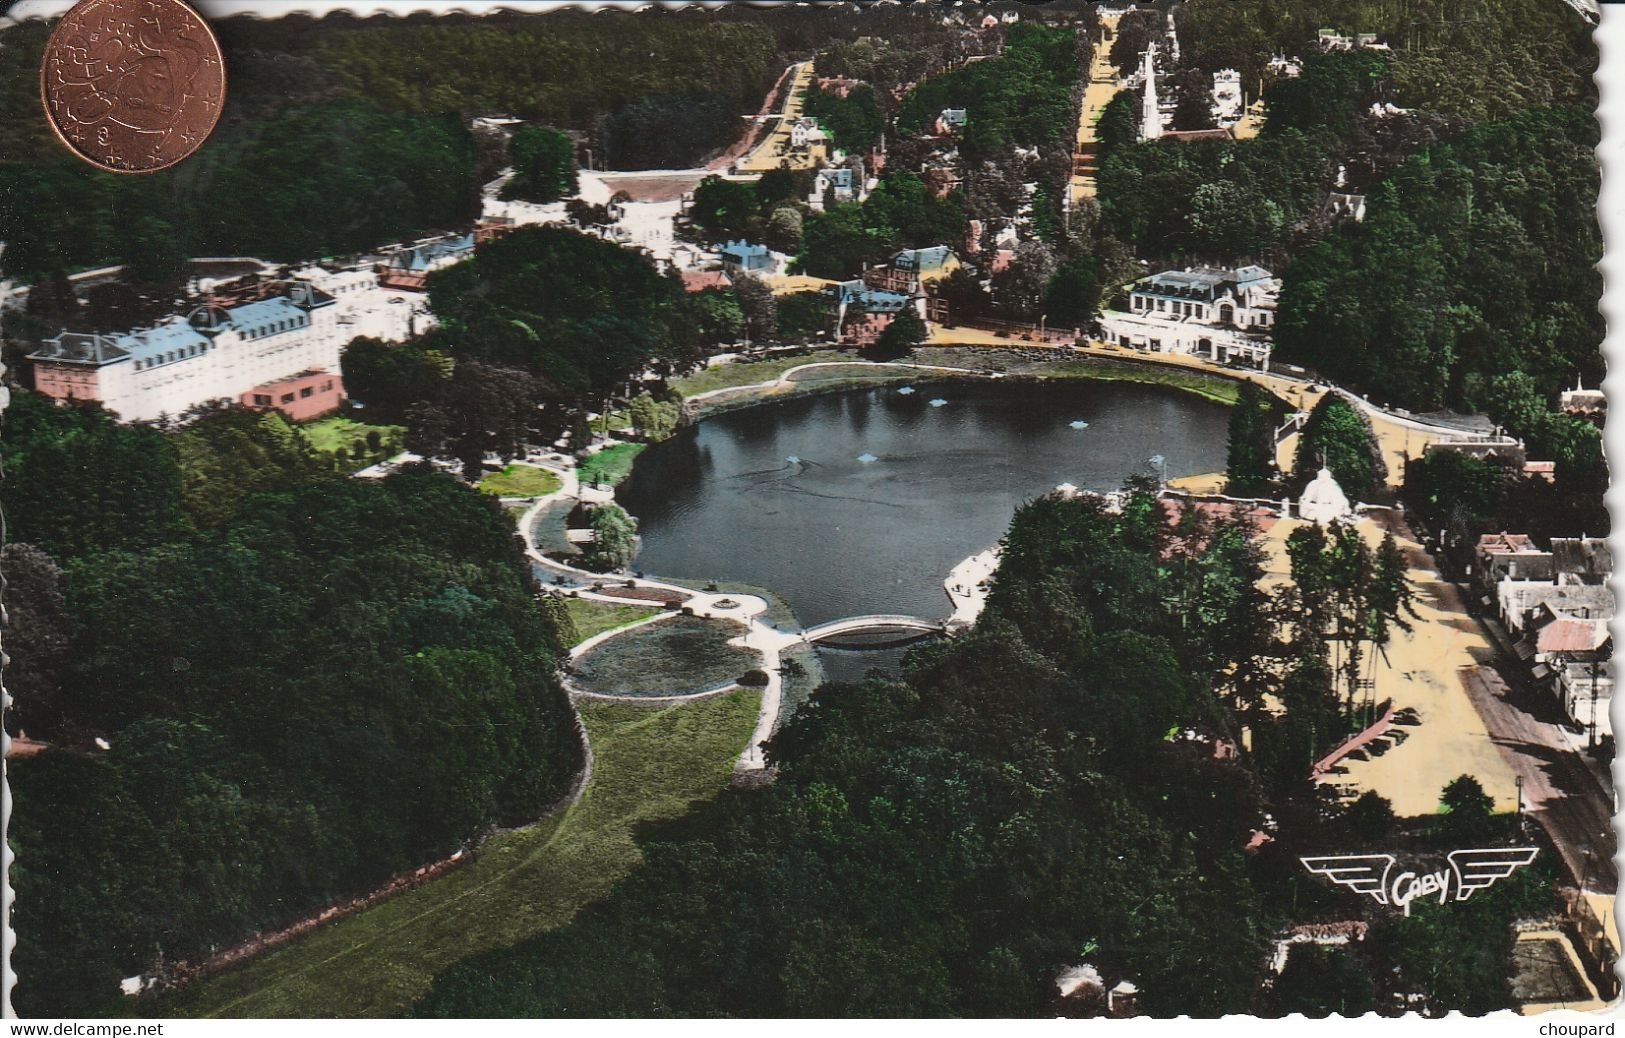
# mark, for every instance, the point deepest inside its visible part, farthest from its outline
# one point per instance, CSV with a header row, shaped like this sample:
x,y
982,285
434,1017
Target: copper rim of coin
x,y
55,43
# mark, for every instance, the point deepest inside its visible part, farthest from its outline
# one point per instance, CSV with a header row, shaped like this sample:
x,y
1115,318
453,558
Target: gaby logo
x,y
1375,874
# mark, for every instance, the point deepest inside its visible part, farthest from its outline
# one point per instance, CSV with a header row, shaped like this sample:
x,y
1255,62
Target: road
x,y
1559,791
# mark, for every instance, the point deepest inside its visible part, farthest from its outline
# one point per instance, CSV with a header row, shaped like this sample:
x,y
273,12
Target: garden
x,y
681,656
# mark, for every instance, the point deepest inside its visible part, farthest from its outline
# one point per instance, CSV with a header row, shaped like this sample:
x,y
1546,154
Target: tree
x,y
229,453
78,482
615,538
1468,812
966,298
803,315
582,312
1338,436
723,208
654,419
544,163
715,316
390,377
1118,128
1371,816
758,305
839,242
1250,462
1019,289
783,230
1072,297
484,409
1319,981
37,634
901,337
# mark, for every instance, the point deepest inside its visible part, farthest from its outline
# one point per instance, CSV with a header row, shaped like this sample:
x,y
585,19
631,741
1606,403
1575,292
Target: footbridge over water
x,y
875,622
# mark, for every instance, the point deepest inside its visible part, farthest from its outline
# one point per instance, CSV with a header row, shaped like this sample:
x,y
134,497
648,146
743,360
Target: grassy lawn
x,y
728,376
610,465
593,618
1219,390
520,481
650,765
671,658
329,434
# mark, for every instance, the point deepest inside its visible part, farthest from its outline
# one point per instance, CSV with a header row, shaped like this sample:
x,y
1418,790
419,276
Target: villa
x,y
1220,314
861,313
909,270
743,256
951,121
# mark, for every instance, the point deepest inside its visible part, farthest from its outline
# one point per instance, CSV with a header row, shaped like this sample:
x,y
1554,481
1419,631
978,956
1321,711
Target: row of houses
x,y
1555,606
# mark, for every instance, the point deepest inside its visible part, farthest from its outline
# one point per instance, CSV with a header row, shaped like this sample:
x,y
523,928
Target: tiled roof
x,y
1498,543
1565,635
700,280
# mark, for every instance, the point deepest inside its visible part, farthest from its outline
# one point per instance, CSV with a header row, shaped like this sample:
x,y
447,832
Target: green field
x,y
521,481
593,618
610,465
728,376
1218,389
649,765
329,434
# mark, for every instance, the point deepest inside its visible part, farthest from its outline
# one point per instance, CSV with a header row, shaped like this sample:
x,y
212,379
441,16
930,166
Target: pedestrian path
x,y
1098,92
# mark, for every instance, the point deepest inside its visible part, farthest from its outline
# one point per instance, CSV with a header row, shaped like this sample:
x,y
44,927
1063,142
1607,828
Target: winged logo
x,y
1374,874
1478,869
1361,873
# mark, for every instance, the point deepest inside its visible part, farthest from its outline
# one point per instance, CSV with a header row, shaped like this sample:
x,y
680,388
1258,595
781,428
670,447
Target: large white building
x,y
1220,314
215,353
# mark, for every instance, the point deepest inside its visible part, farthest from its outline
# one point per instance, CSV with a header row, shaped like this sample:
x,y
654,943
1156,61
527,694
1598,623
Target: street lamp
x,y
1162,464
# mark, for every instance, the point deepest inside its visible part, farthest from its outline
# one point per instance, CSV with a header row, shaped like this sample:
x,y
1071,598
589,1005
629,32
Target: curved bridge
x,y
883,622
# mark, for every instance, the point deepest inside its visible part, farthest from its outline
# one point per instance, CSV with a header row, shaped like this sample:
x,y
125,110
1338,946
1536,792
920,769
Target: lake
x,y
861,501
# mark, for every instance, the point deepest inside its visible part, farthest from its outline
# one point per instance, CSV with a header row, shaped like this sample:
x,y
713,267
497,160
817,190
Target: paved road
x,y
1559,790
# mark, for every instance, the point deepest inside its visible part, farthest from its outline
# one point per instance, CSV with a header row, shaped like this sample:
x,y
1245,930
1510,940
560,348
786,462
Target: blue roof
x,y
841,178
179,338
855,294
267,317
923,260
751,257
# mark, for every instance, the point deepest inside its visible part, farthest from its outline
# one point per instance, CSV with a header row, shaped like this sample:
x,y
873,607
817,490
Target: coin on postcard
x,y
132,86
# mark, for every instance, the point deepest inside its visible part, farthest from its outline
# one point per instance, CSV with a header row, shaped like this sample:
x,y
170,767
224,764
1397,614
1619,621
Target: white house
x,y
1227,102
805,132
215,353
1225,315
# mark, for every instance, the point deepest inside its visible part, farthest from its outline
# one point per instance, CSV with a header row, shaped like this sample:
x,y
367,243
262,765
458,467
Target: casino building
x,y
1217,313
270,345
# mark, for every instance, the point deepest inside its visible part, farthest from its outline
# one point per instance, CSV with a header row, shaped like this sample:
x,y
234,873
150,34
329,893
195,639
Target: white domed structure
x,y
1323,500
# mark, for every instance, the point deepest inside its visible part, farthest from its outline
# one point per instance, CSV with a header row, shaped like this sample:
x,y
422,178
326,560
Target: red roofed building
x,y
701,280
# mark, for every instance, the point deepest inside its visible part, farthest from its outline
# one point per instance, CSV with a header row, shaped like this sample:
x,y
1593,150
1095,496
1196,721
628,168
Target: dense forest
x,y
1045,790
1473,261
264,687
334,140
1022,97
